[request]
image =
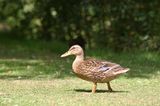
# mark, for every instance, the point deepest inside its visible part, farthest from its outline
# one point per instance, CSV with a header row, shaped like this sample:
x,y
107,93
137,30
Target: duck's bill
x,y
65,54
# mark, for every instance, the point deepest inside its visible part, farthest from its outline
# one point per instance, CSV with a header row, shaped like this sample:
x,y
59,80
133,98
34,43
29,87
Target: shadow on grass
x,y
99,91
15,77
141,64
31,59
21,69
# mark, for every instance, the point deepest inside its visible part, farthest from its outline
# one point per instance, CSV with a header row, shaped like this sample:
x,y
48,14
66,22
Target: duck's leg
x,y
109,87
94,87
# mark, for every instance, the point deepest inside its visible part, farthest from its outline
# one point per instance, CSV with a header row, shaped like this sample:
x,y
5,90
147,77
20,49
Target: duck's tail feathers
x,y
121,71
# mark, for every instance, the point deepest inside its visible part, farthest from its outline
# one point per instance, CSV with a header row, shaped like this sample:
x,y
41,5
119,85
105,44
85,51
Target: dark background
x,y
121,25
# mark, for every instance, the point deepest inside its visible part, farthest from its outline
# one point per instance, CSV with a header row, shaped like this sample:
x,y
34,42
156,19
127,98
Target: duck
x,y
93,70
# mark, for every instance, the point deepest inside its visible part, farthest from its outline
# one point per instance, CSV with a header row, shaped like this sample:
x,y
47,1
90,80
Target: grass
x,y
32,74
75,92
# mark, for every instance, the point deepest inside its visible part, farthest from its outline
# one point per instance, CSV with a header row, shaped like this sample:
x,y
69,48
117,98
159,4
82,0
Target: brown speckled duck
x,y
92,70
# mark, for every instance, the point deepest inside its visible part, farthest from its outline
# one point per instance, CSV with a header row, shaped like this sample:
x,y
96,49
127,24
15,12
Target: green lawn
x,y
33,74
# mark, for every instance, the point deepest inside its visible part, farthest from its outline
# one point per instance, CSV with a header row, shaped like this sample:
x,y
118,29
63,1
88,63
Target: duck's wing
x,y
99,71
99,66
114,68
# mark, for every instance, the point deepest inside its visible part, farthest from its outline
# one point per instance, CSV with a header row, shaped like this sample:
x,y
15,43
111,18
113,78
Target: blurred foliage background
x,y
120,25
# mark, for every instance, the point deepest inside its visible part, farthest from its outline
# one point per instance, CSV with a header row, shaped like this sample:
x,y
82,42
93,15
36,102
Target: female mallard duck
x,y
96,71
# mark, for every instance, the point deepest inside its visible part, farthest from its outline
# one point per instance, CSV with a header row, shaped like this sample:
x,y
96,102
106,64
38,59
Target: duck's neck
x,y
77,61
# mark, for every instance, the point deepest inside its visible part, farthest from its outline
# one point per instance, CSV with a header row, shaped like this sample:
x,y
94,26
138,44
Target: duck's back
x,y
98,71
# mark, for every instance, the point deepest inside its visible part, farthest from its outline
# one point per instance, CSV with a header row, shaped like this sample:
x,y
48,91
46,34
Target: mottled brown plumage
x,y
93,70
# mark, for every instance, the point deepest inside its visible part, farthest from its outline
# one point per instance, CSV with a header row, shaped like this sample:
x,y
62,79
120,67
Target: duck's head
x,y
74,50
